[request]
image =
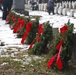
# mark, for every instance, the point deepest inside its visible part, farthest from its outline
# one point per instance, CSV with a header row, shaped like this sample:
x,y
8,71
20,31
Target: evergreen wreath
x,y
40,47
65,45
32,33
22,29
9,17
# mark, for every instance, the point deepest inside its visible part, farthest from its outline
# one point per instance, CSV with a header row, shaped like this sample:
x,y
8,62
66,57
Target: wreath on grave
x,y
61,48
22,26
40,43
30,32
9,18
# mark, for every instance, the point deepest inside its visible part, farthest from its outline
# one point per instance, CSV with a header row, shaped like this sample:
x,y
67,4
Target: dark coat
x,y
7,4
50,3
7,1
50,6
33,3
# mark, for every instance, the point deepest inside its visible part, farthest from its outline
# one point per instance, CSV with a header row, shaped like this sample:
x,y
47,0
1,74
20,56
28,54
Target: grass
x,y
29,65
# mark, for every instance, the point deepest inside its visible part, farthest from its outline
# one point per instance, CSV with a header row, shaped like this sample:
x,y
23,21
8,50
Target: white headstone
x,y
42,7
45,5
64,12
56,10
73,5
70,5
66,5
72,13
60,10
57,5
39,6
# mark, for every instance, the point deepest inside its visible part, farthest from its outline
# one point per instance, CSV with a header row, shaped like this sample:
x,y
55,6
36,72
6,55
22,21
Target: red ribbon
x,y
28,28
31,45
50,62
7,19
58,47
63,30
17,25
22,22
38,36
37,40
58,60
40,29
13,18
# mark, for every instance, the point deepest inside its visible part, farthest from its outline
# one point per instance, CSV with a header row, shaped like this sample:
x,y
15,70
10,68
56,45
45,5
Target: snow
x,y
57,20
9,38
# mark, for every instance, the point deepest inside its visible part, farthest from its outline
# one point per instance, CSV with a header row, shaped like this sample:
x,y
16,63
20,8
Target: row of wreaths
x,y
41,40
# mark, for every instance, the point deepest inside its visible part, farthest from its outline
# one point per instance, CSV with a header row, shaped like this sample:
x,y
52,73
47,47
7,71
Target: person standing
x,y
33,5
50,6
7,4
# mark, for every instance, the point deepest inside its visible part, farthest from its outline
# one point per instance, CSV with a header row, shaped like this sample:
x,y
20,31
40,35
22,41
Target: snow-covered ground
x,y
9,38
57,20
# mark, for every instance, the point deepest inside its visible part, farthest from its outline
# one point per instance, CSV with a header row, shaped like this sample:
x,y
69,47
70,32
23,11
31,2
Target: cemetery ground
x,y
14,57
18,62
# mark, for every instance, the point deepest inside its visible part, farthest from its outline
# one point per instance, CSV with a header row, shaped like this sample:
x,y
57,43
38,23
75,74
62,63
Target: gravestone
x,y
72,13
19,6
64,12
66,5
73,5
42,7
70,5
58,5
45,5
60,10
55,31
56,10
39,6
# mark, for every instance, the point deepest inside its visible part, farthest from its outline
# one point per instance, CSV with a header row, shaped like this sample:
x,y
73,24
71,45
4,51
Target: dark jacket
x,y
7,1
50,3
7,4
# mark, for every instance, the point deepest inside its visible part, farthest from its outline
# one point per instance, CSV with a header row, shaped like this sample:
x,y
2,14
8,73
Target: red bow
x,y
28,28
7,19
38,36
63,30
40,29
17,27
13,18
